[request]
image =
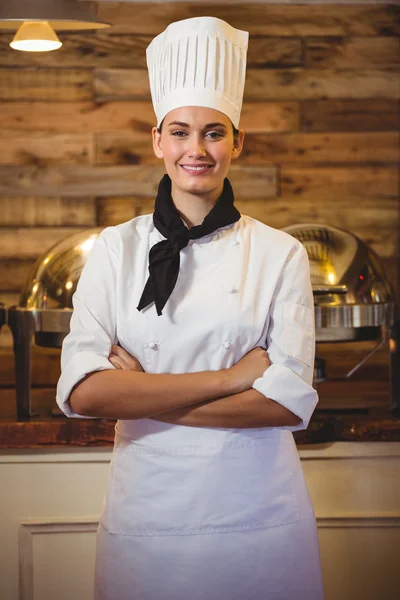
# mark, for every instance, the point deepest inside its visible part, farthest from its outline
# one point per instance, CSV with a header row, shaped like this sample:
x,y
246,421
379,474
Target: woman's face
x,y
197,145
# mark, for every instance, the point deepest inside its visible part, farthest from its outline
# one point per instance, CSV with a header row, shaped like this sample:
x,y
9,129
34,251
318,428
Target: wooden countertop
x,y
325,426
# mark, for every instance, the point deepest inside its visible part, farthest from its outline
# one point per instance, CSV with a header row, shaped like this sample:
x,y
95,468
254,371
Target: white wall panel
x,y
50,504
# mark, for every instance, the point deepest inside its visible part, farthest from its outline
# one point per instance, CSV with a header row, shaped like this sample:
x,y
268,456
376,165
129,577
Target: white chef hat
x,y
198,62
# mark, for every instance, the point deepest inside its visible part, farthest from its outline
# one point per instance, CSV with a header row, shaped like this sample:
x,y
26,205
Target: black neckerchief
x,y
164,258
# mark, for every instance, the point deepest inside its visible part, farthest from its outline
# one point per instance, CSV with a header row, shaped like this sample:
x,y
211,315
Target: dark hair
x,y
235,131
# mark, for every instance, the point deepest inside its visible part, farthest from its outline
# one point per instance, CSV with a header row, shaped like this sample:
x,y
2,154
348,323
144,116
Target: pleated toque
x,y
198,62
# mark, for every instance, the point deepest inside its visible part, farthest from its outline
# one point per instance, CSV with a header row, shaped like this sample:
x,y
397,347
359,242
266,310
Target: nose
x,y
196,147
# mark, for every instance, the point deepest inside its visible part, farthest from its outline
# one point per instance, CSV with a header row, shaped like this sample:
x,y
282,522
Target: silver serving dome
x,y
55,275
45,303
352,296
45,307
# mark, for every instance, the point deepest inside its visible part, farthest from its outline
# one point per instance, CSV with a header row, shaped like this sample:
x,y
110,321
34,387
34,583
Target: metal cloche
x,y
55,275
352,295
45,307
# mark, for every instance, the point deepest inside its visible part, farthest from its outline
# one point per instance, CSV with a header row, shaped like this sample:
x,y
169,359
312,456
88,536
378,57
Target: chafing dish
x,y
45,307
353,299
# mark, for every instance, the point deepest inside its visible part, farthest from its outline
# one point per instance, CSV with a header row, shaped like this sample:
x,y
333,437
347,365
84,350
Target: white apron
x,y
202,513
226,517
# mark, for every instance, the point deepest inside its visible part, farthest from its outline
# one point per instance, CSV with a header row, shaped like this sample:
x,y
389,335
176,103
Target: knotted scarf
x,y
164,257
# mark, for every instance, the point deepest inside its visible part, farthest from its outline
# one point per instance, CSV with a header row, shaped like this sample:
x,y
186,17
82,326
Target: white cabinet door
x,y
50,504
355,490
49,509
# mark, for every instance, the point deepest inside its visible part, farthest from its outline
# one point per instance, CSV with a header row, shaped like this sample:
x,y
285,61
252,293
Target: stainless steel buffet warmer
x,y
353,299
45,307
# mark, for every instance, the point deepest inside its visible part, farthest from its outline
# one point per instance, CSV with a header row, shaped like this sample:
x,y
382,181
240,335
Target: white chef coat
x,y
195,512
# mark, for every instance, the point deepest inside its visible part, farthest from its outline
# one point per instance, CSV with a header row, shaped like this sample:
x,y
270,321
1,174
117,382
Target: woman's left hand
x,y
121,359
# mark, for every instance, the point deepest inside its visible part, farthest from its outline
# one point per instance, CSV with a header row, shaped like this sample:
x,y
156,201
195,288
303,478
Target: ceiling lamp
x,y
37,21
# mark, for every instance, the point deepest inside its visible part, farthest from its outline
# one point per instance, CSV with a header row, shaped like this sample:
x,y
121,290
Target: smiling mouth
x,y
198,169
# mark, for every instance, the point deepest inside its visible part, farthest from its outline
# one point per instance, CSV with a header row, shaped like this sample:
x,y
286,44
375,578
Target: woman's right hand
x,y
249,368
121,359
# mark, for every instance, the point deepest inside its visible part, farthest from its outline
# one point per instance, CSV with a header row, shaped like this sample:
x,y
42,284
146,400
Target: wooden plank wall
x,y
320,113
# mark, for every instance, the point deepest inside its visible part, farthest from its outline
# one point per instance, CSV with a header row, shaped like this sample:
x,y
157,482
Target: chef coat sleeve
x,y
93,325
291,341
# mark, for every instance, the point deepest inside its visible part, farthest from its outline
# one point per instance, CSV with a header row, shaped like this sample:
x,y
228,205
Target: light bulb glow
x,y
87,245
331,277
36,36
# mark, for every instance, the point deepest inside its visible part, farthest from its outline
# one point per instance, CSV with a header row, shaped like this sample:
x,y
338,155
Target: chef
x,y
194,328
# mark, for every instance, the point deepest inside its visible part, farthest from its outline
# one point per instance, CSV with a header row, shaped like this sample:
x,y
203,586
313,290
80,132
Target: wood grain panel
x,y
373,189
27,243
83,50
34,212
294,84
390,265
76,117
36,148
6,339
265,84
266,117
136,148
14,273
43,400
103,51
125,148
368,387
370,114
373,226
303,148
112,211
45,366
121,84
328,183
352,53
354,395
9,298
81,117
274,52
260,19
46,84
78,181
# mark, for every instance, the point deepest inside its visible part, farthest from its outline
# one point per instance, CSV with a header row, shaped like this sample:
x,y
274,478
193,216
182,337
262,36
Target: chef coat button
x,y
153,346
227,345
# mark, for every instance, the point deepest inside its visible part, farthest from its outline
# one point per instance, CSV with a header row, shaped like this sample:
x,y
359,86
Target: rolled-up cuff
x,y
74,371
281,384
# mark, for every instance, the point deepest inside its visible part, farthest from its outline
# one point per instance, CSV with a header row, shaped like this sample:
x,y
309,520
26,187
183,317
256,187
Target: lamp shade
x,y
62,15
36,36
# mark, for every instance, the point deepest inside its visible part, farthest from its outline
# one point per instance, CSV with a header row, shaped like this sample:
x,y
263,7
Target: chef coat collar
x,y
155,236
164,257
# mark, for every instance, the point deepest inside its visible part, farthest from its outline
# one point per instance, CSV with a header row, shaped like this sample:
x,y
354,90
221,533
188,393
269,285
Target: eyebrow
x,y
208,126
